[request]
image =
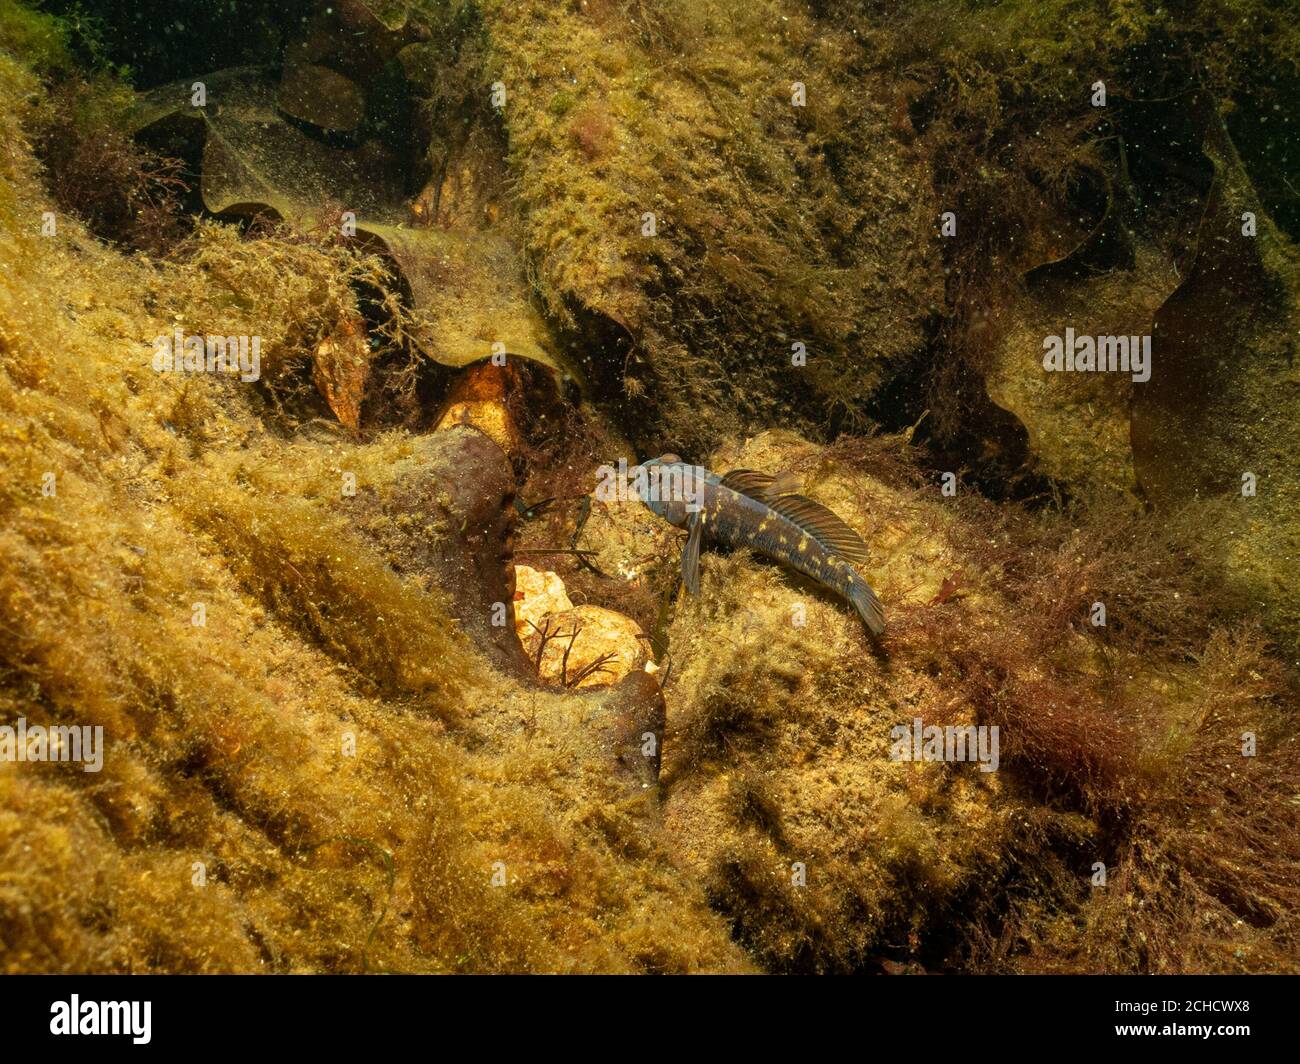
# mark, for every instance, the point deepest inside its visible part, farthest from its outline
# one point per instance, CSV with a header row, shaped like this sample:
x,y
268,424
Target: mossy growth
x,y
230,828
41,40
1002,98
829,855
686,200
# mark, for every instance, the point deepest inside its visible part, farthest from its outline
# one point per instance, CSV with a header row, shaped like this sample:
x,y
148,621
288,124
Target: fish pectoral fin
x,y
691,553
827,528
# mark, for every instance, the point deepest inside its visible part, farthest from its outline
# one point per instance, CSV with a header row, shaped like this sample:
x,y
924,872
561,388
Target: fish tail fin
x,y
868,606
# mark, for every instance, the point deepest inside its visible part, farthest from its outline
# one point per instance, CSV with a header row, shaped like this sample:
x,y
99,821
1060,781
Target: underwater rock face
x,y
1223,417
1211,417
822,838
627,541
1078,423
321,96
778,776
443,519
586,646
731,245
459,481
466,282
479,399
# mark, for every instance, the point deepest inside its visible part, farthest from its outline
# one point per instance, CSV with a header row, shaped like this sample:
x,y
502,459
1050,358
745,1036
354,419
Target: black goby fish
x,y
746,508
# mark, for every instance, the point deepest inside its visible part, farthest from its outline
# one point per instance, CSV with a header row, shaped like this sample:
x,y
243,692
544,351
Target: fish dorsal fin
x,y
749,482
760,486
821,524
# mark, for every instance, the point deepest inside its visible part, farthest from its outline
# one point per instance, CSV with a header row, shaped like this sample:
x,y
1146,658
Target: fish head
x,y
669,487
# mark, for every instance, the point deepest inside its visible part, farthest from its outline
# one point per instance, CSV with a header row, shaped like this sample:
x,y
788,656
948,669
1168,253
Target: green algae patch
x,y
316,695
39,38
1222,417
828,853
1078,423
686,213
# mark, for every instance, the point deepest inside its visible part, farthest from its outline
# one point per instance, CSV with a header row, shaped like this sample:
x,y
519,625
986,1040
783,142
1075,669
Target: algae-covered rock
x,y
321,96
1222,416
777,762
582,646
1079,423
782,773
719,196
1211,415
466,286
291,654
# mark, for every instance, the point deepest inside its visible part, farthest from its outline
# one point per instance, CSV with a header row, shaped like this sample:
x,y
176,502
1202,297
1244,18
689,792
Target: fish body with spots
x,y
745,508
